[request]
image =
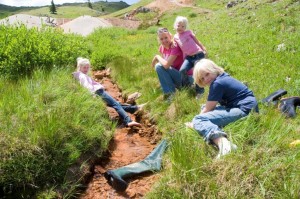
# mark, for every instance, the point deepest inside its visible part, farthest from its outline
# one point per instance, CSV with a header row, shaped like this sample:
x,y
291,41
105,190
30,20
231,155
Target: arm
x,y
154,61
83,79
209,106
166,63
199,43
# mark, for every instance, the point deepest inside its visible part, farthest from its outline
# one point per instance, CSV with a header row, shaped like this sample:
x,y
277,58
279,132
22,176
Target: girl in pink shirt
x,y
168,63
83,67
192,49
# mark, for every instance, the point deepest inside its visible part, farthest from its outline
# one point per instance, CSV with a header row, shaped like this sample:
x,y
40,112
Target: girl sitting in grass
x,y
168,63
235,98
83,67
192,50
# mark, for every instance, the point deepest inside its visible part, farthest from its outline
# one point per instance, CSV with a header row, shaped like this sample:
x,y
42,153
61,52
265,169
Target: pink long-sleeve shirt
x,y
87,82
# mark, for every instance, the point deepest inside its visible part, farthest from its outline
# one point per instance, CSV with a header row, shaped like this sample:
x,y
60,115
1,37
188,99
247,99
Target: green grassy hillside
x,y
78,9
64,12
244,40
6,11
67,10
122,12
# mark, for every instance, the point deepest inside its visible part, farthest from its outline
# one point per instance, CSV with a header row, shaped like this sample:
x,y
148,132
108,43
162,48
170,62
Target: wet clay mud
x,y
129,145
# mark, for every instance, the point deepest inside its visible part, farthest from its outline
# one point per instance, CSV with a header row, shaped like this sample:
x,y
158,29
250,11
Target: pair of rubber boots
x,y
152,162
287,105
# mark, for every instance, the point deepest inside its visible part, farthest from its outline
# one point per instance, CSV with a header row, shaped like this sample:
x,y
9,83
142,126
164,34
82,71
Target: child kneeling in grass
x,y
83,67
235,99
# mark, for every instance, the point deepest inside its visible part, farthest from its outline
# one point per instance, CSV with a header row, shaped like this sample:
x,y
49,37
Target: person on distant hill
x,y
167,64
83,67
192,50
236,101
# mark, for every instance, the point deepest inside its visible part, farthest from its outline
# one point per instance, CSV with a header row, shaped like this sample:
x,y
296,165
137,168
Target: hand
x,y
172,45
154,61
205,54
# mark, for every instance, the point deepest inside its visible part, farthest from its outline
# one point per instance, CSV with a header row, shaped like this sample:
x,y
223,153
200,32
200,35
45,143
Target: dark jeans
x,y
111,102
188,64
169,79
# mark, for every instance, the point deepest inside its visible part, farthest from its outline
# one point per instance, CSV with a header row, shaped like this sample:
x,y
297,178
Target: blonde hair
x,y
205,66
164,30
82,62
180,19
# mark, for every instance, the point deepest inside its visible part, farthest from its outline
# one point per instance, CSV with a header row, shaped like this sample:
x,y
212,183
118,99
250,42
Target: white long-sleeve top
x,y
87,82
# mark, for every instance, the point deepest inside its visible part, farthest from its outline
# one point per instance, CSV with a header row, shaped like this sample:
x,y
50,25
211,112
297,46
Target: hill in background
x,y
67,10
6,11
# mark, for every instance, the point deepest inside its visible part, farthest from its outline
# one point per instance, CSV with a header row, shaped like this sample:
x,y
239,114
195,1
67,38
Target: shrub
x,y
22,50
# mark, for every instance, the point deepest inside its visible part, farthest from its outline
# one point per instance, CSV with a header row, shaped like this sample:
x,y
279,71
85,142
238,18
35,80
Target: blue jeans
x,y
209,124
169,79
188,64
111,102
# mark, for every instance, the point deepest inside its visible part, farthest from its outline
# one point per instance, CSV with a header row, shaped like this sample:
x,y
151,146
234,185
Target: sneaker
x,y
169,98
224,147
233,147
141,106
134,96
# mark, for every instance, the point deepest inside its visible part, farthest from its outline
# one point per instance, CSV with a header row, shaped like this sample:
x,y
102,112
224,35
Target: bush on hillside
x,y
22,50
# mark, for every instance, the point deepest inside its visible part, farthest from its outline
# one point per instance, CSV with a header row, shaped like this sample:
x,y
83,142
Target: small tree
x,y
90,4
52,8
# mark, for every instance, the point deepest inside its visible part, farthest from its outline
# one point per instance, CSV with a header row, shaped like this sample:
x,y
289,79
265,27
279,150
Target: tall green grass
x,y
243,40
47,123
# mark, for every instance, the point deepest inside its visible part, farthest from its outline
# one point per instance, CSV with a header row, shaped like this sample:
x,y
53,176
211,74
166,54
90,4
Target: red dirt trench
x,y
129,145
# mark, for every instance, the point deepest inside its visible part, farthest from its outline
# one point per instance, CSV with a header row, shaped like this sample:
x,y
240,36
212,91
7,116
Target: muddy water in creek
x,y
128,145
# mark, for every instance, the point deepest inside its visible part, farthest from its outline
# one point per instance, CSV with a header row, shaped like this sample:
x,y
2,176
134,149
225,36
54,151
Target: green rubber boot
x,y
151,163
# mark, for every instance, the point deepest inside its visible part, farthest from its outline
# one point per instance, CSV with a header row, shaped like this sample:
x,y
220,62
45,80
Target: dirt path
x,y
129,145
161,6
166,5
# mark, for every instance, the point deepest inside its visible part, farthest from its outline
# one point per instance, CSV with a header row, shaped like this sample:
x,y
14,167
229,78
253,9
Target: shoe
x,y
225,147
141,106
275,96
115,181
233,146
134,96
288,106
169,98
